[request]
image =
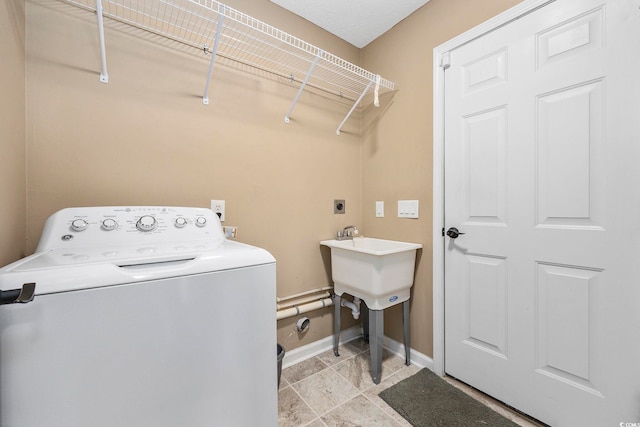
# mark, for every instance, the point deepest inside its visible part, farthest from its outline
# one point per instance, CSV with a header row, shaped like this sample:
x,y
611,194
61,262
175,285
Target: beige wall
x,y
397,146
12,128
146,138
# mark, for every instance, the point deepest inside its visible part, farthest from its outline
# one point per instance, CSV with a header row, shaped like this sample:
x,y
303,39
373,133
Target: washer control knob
x,y
146,223
180,222
109,224
201,221
79,225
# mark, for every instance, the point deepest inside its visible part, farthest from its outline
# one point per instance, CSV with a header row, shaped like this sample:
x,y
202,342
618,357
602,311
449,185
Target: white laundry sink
x,y
378,271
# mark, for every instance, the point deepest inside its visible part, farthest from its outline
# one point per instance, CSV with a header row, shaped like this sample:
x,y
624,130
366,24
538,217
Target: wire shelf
x,y
227,33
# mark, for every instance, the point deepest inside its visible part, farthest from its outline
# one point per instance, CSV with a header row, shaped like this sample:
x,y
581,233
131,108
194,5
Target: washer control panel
x,y
128,225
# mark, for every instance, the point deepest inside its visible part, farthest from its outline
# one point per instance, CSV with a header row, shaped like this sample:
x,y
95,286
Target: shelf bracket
x,y
304,83
104,75
205,97
354,107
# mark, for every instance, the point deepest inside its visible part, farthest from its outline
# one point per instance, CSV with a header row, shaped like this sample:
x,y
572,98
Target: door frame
x,y
438,245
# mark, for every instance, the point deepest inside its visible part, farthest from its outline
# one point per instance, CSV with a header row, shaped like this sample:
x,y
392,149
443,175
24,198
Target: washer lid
x,y
61,270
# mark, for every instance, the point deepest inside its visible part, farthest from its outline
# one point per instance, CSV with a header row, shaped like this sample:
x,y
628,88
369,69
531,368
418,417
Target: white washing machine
x,y
141,316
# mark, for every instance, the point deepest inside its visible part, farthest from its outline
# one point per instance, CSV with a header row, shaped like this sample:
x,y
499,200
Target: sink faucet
x,y
348,232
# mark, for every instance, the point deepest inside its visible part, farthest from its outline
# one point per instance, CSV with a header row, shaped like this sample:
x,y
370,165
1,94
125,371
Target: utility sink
x,y
378,271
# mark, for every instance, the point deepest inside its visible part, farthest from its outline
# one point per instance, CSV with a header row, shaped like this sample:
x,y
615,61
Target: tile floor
x,y
338,391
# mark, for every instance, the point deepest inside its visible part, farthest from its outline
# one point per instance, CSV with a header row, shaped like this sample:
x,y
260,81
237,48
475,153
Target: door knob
x,y
453,233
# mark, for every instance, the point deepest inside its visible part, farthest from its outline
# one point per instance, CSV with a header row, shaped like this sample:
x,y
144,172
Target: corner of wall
x,y
12,131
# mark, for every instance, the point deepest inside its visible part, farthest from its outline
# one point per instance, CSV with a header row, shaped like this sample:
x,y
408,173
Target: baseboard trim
x,y
418,359
305,352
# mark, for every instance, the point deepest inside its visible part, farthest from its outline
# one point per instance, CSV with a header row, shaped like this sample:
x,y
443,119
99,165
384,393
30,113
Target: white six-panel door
x,y
541,174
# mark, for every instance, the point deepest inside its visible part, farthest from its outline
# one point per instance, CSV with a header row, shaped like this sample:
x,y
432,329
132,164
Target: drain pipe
x,y
281,305
354,306
299,309
305,293
302,306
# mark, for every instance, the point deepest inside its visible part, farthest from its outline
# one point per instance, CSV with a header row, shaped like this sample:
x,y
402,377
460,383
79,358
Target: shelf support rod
x,y
104,75
304,83
354,107
205,97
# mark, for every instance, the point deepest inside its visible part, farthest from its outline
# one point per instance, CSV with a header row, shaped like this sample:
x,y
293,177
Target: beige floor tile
x,y
325,390
407,371
338,391
358,345
358,369
303,370
292,410
345,351
316,423
391,363
283,382
358,411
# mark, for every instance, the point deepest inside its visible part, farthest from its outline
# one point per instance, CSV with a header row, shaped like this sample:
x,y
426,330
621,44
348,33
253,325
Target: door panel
x,y
541,173
487,304
569,316
569,156
570,38
484,139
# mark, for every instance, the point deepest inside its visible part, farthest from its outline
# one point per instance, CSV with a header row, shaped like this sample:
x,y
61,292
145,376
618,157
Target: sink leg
x,y
365,321
376,323
336,323
405,331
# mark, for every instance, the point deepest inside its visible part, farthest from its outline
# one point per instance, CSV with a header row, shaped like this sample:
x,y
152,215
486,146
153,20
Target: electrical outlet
x,y
218,207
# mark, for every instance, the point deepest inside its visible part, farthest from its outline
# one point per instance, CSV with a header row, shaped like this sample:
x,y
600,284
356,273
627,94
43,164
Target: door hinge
x,y
445,60
442,231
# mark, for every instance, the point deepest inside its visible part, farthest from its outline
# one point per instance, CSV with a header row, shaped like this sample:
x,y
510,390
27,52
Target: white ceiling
x,y
359,22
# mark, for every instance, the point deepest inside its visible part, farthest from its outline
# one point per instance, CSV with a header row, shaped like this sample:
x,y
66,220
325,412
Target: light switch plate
x,y
379,209
408,209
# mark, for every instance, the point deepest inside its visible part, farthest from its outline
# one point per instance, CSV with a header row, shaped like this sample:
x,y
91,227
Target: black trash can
x,y
280,357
